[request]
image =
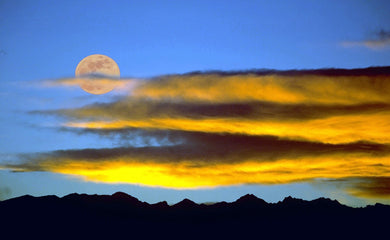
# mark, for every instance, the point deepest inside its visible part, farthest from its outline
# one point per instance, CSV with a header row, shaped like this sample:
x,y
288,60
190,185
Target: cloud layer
x,y
211,160
231,128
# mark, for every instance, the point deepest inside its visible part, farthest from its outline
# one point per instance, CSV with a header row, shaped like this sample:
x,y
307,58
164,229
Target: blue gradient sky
x,y
46,39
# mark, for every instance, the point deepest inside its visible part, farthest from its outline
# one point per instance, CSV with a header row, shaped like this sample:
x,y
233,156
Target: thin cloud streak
x,y
381,41
109,82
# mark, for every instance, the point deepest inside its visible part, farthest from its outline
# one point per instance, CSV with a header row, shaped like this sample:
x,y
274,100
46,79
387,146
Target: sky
x,y
197,112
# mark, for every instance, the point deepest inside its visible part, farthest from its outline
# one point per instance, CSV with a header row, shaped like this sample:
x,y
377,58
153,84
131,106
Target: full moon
x,y
97,64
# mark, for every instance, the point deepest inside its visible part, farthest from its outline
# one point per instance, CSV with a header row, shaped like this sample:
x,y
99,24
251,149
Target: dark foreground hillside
x,y
91,216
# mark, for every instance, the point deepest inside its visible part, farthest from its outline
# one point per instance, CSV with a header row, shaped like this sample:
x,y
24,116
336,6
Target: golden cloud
x,y
339,129
236,128
185,169
308,89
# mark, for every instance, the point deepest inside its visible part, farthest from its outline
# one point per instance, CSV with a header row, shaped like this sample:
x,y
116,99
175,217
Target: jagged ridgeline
x,y
121,213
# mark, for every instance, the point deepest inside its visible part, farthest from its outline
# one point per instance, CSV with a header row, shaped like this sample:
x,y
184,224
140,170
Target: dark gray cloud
x,y
138,109
369,71
373,187
366,187
204,148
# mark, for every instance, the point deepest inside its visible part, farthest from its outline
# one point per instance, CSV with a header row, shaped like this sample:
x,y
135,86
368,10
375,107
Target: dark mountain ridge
x,y
83,212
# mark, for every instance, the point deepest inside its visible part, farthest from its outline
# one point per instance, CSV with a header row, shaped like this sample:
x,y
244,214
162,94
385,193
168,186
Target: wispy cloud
x,y
90,82
380,41
375,187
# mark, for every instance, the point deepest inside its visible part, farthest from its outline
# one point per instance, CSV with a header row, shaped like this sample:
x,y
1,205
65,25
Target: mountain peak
x,y
71,196
290,199
185,203
122,195
326,202
162,204
251,200
248,197
126,198
20,199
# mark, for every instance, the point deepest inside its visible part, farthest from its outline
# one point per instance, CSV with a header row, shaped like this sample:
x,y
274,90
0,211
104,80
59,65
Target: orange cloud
x,y
191,173
211,160
308,89
338,129
236,128
316,106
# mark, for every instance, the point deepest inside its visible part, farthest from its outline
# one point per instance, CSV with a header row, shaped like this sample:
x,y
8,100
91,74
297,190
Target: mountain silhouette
x,y
120,213
250,200
185,204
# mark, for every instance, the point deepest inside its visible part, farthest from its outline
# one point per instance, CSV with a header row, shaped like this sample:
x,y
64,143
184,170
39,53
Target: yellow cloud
x,y
339,129
147,106
184,175
232,110
310,89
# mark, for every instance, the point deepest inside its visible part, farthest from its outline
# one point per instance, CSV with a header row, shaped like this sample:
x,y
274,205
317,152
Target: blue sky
x,y
42,40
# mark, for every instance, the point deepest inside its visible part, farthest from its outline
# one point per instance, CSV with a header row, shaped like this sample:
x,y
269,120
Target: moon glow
x,y
100,65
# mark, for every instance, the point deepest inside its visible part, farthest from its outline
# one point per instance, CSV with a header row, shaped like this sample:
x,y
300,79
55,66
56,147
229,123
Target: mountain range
x,y
122,214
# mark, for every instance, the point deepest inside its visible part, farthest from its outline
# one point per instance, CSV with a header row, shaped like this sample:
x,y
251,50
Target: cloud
x,y
324,86
127,108
211,160
305,87
375,187
330,130
229,128
330,106
235,148
91,80
381,40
